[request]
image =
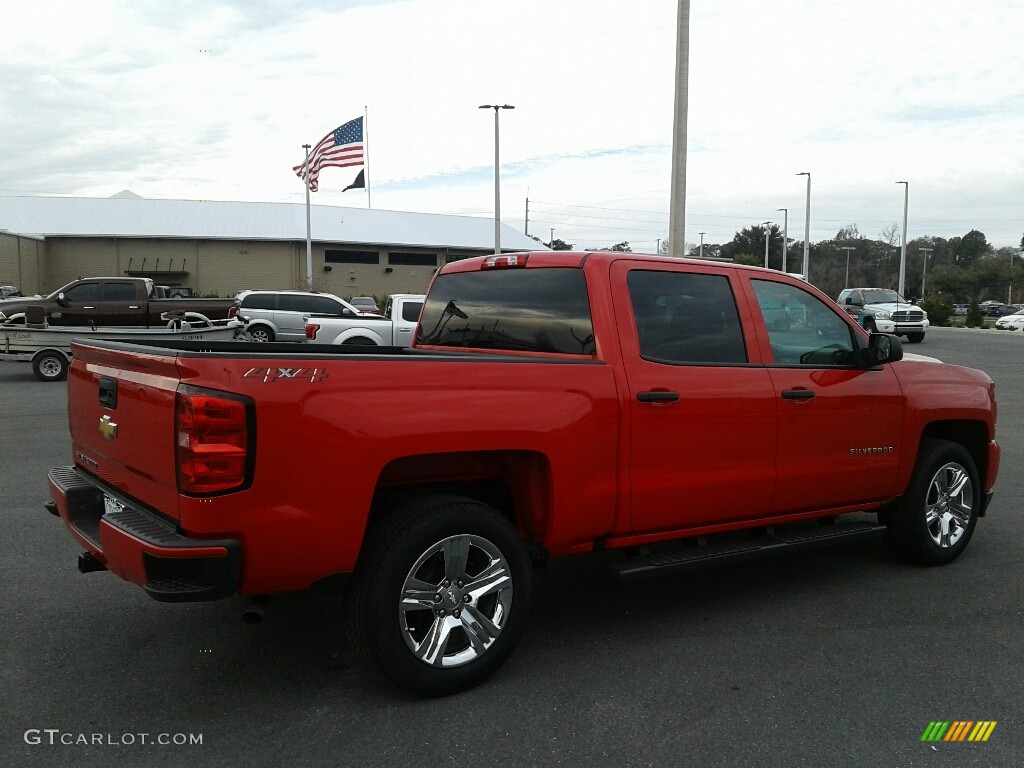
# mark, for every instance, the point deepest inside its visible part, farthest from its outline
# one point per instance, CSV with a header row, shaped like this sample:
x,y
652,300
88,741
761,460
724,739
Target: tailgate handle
x,y
108,393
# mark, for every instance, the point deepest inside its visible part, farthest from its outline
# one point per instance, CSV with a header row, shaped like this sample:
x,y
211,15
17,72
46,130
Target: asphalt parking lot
x,y
837,657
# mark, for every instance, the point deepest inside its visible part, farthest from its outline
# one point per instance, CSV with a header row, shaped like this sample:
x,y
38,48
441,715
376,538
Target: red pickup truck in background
x,y
680,412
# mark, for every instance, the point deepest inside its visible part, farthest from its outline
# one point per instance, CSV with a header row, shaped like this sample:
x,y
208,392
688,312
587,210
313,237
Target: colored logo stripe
x,y
958,730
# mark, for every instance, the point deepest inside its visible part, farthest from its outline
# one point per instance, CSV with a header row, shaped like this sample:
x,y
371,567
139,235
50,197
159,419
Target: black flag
x,y
359,183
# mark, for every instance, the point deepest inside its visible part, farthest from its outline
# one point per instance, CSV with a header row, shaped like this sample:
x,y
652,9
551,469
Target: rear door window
x,y
686,318
411,311
292,302
531,310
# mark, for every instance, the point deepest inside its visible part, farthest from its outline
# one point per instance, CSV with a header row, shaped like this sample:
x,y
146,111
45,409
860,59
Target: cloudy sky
x,y
191,99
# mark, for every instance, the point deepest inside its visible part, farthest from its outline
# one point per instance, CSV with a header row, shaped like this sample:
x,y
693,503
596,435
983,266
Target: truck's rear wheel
x,y
869,325
441,595
937,515
50,365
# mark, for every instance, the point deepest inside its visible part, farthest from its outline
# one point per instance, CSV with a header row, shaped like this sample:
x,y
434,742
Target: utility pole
x,y
677,206
785,236
526,224
903,247
807,229
767,234
924,269
847,248
700,253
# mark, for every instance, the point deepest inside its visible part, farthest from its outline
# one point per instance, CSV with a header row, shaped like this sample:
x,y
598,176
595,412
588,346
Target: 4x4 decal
x,y
274,375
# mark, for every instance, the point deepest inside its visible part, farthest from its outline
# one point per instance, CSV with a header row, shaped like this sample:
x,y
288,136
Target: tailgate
x,y
121,415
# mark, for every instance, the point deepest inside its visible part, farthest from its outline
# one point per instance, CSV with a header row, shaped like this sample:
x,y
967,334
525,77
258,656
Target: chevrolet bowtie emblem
x,y
108,428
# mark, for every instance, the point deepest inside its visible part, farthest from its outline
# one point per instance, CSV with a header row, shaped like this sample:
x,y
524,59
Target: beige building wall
x,y
226,267
23,263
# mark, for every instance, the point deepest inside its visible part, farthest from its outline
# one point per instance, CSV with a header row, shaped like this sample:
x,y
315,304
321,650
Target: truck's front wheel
x,y
936,517
442,594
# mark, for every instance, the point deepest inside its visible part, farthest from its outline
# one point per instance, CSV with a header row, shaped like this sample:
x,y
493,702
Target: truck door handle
x,y
88,307
659,396
133,306
797,394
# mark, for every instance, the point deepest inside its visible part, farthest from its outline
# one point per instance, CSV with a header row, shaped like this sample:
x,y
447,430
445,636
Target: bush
x,y
974,317
939,309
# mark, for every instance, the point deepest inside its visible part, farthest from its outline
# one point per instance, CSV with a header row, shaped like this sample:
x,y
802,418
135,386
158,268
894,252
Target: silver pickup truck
x,y
395,328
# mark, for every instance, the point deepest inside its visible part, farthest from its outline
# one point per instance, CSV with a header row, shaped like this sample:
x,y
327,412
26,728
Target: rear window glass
x,y
411,311
533,310
259,301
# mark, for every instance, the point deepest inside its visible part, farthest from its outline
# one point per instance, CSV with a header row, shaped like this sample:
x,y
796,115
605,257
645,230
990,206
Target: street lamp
x,y
700,253
785,236
497,182
903,247
767,234
847,248
807,228
924,269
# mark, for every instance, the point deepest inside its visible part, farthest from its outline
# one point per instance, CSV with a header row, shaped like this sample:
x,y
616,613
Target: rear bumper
x,y
142,547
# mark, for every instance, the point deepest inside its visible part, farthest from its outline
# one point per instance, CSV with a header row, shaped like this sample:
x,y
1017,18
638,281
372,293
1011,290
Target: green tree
x,y
560,245
749,243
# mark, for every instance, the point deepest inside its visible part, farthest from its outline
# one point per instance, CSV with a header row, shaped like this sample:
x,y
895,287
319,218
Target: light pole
x,y
551,242
497,182
847,248
807,229
785,236
767,234
903,247
700,253
924,269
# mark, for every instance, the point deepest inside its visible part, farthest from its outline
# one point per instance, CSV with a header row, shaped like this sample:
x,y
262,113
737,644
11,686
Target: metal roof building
x,y
48,241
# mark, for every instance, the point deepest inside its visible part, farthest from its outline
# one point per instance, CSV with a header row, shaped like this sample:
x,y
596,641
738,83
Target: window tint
x,y
534,310
413,259
326,305
351,257
118,292
684,317
85,292
411,311
294,302
803,329
259,301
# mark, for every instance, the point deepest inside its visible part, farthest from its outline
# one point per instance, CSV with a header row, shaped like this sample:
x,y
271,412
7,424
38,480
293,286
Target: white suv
x,y
278,315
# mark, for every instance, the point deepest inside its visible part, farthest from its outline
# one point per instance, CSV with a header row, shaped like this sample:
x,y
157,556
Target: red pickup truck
x,y
678,412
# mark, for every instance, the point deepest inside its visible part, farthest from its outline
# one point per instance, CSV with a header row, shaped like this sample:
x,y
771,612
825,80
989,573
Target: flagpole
x,y
309,235
366,154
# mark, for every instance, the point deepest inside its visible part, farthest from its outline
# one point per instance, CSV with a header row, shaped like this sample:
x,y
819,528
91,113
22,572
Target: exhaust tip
x,y
89,564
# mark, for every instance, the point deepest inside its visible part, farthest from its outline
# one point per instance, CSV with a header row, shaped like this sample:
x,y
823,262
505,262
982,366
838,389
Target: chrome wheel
x,y
949,504
455,601
261,335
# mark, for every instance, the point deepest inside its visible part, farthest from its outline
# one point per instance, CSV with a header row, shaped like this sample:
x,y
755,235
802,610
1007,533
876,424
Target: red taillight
x,y
311,331
212,442
232,313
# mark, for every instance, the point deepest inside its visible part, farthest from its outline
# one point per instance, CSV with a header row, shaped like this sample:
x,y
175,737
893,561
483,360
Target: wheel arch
x,y
359,333
515,483
972,435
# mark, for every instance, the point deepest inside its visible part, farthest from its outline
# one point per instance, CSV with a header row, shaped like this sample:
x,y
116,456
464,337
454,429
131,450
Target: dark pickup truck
x,y
117,301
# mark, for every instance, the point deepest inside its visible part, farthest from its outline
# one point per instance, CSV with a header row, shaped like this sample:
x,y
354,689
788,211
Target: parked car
x,y
366,305
992,308
885,311
279,315
394,329
961,309
10,292
1012,322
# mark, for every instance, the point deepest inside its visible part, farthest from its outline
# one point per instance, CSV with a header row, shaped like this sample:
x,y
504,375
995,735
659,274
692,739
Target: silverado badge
x,y
108,428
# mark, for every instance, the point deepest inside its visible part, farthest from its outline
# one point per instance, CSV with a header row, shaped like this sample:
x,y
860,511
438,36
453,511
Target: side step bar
x,y
704,555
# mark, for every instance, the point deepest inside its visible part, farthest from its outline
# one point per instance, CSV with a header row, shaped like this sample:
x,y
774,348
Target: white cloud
x,y
214,100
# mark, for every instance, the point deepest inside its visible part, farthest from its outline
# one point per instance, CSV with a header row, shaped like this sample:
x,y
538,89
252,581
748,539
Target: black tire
x,y
931,527
417,543
50,366
869,325
915,338
260,334
360,341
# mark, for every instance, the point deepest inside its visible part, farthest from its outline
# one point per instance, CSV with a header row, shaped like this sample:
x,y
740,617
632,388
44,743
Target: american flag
x,y
340,148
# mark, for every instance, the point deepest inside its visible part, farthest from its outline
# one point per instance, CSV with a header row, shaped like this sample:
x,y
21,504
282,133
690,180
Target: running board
x,y
704,555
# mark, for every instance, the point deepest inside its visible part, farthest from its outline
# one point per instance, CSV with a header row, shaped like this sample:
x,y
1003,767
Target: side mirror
x,y
62,299
883,348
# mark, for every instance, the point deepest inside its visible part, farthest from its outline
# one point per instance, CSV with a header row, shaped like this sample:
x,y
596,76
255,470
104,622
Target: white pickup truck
x,y
395,328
